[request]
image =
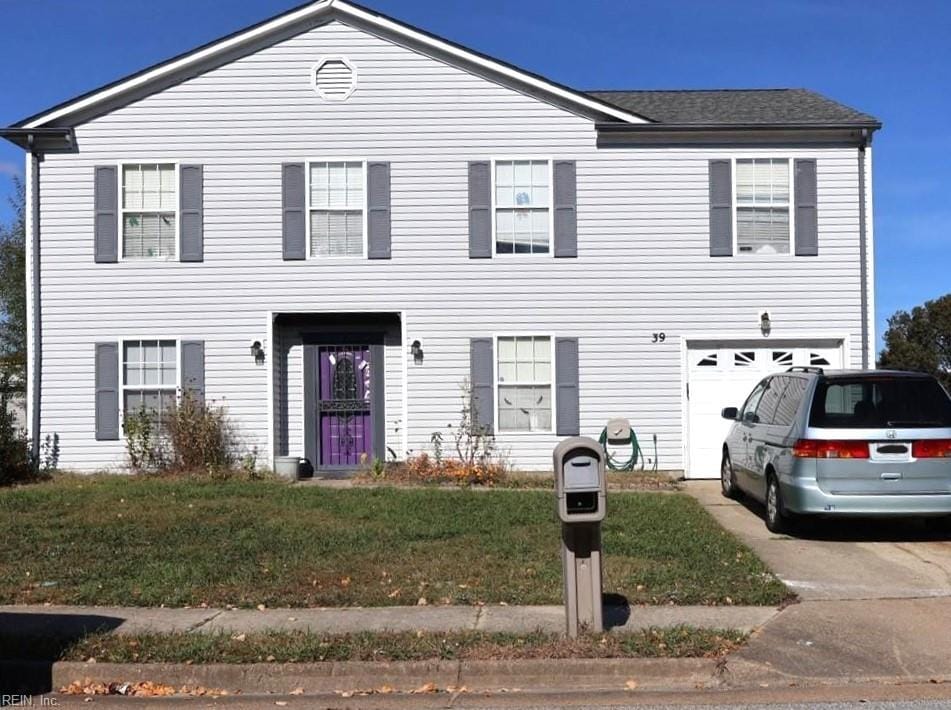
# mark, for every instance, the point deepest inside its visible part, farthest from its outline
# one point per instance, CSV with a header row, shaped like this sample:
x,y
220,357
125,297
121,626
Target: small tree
x,y
13,296
921,340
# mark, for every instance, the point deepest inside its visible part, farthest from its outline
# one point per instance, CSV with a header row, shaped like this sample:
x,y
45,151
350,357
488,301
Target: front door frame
x,y
312,342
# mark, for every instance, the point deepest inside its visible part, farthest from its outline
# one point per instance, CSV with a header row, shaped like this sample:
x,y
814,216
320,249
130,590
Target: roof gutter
x,y
863,248
614,127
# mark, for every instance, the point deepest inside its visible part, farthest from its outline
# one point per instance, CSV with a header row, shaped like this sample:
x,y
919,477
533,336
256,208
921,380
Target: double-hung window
x,y
149,210
524,383
522,206
149,376
337,209
762,206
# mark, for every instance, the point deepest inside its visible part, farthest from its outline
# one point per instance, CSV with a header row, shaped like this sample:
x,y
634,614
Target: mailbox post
x,y
581,489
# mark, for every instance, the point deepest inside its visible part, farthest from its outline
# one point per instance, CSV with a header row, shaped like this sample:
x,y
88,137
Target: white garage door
x,y
722,374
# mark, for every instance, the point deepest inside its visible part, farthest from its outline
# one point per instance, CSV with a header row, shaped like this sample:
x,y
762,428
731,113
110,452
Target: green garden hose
x,y
613,463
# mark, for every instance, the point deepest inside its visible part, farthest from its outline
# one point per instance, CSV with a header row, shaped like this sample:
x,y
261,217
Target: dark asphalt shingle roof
x,y
736,106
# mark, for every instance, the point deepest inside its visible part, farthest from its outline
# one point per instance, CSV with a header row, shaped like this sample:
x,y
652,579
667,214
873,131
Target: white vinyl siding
x,y
763,197
523,387
337,202
149,210
522,206
149,376
643,263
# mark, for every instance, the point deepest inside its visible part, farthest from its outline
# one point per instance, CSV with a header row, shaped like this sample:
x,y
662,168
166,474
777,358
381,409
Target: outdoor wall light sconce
x,y
257,352
417,349
765,323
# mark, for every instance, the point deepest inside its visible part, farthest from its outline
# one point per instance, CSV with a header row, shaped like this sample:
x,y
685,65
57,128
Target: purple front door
x,y
344,416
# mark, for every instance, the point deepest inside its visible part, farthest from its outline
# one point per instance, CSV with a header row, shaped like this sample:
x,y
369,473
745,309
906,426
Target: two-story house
x,y
329,221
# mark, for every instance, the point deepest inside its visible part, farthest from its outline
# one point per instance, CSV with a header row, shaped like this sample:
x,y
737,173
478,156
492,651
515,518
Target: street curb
x,y
525,675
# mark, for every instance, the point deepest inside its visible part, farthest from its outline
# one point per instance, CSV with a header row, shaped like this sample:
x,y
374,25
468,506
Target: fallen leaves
x,y
141,689
425,689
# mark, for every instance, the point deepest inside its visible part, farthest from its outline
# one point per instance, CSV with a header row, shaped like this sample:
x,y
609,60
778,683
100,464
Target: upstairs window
x,y
149,211
762,206
522,206
337,208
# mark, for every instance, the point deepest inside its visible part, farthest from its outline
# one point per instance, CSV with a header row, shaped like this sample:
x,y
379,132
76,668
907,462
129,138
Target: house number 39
x,y
658,337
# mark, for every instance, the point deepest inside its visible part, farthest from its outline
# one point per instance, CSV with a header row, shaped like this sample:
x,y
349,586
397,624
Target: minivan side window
x,y
789,404
767,404
752,401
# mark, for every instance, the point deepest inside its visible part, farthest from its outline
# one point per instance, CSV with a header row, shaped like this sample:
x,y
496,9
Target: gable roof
x,y
738,107
305,16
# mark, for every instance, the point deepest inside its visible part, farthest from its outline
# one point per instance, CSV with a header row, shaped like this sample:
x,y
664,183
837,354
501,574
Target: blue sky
x,y
890,59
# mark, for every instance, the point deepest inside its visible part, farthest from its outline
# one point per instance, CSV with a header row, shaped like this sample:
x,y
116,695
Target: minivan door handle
x,y
887,476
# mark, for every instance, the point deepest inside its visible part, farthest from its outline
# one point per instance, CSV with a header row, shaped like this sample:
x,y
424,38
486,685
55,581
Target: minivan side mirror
x,y
730,413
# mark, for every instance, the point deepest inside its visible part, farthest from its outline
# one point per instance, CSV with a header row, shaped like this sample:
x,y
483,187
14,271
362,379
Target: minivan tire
x,y
728,478
778,519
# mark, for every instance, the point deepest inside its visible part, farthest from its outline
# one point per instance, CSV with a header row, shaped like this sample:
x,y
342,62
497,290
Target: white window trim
x,y
495,384
120,216
365,208
551,205
792,206
122,385
333,58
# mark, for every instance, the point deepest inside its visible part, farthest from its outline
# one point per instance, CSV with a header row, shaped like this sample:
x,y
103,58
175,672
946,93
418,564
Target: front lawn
x,y
306,647
146,542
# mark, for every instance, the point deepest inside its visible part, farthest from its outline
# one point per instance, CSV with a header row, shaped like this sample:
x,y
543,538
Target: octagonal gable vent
x,y
334,79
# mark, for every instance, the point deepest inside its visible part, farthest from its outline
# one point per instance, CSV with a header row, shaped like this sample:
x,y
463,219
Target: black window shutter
x,y
480,210
807,218
721,208
106,206
107,391
481,380
193,368
566,208
293,204
568,415
378,211
191,215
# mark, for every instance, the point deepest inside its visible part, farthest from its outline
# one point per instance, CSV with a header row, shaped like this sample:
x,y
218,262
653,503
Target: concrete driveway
x,y
875,598
841,560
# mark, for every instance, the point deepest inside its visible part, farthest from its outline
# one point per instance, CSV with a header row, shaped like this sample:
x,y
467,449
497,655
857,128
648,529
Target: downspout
x,y
37,363
863,248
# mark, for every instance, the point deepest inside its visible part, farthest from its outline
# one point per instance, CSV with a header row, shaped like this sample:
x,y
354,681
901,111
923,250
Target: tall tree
x,y
921,340
13,294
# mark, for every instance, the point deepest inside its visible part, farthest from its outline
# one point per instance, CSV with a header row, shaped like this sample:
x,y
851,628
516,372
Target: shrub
x,y
476,463
15,463
193,437
200,436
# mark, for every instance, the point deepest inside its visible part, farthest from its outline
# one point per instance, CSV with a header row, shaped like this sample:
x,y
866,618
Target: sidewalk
x,y
69,620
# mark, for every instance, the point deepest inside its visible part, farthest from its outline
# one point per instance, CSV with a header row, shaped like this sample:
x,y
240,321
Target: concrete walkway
x,y
68,620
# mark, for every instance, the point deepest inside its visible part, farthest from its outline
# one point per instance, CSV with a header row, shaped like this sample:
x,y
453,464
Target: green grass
x,y
146,542
304,647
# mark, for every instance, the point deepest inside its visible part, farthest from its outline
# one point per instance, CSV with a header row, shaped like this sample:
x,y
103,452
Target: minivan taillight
x,y
931,449
820,449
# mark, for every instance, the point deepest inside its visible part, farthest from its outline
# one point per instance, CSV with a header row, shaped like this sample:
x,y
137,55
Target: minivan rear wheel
x,y
778,519
728,478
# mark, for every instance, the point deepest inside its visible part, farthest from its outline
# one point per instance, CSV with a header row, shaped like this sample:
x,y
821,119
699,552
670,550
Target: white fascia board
x,y
315,9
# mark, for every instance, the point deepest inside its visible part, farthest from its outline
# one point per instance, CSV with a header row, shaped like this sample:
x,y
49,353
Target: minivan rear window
x,y
880,402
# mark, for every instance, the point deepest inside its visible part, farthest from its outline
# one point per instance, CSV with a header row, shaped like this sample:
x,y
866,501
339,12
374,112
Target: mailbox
x,y
580,482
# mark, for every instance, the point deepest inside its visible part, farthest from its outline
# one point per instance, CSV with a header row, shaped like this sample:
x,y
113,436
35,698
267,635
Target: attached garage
x,y
721,373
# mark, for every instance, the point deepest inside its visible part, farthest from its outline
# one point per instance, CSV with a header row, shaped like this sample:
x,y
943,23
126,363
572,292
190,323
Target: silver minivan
x,y
868,442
